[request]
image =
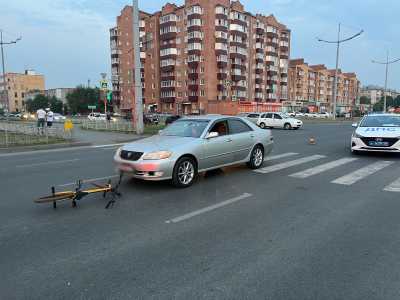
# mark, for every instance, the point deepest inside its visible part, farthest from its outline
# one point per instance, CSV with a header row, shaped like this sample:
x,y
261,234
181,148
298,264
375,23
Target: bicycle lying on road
x,y
80,193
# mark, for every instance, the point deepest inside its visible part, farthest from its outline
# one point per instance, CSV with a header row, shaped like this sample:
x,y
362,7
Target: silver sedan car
x,y
192,145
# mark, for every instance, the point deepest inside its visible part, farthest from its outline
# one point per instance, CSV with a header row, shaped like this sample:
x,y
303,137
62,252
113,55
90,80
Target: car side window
x,y
221,127
268,116
237,126
278,117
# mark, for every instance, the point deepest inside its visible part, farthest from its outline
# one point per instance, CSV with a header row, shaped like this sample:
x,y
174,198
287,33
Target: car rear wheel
x,y
262,125
185,172
256,157
287,126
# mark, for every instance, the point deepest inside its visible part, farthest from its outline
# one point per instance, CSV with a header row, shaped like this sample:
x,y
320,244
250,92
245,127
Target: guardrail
x,y
119,125
14,133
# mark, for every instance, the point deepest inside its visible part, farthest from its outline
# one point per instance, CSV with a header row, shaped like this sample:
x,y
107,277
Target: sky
x,y
68,40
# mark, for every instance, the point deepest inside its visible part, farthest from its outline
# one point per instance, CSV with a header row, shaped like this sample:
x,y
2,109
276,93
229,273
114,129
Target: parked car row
x,y
273,120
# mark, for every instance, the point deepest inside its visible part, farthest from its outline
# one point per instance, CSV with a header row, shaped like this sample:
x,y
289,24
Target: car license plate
x,y
125,168
378,144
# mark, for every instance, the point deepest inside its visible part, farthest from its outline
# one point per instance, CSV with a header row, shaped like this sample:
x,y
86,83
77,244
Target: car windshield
x,y
381,121
186,128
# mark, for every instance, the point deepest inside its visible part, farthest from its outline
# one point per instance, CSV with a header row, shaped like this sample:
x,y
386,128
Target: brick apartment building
x,y
206,56
312,86
17,86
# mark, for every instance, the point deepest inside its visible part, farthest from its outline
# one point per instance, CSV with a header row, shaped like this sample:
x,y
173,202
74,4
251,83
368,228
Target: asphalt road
x,y
314,224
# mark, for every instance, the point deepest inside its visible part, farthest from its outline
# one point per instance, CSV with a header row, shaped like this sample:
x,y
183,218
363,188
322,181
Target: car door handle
x,y
228,140
252,135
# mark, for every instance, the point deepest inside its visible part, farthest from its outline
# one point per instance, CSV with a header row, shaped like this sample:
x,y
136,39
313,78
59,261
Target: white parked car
x,y
278,120
58,117
377,133
252,117
97,117
323,115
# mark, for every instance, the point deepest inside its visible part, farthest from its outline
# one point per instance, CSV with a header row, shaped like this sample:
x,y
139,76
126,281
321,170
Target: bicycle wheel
x,y
56,197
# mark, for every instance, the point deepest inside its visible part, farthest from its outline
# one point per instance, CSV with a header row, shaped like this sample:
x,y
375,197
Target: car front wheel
x,y
256,158
185,172
287,126
262,125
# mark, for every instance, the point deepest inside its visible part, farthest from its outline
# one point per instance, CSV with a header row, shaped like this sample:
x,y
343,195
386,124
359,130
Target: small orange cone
x,y
312,141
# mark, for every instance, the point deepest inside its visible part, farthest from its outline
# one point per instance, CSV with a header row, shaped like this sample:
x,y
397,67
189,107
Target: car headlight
x,y
118,153
157,155
356,135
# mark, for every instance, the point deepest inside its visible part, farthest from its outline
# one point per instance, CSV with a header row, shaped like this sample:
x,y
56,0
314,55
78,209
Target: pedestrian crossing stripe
x,y
360,174
348,179
279,156
322,168
289,164
393,187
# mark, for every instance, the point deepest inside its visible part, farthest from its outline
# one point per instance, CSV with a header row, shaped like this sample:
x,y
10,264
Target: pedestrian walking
x,y
41,119
108,116
49,117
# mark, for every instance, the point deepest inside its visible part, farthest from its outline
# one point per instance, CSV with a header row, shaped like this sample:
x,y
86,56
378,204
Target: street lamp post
x,y
138,82
386,63
338,42
5,90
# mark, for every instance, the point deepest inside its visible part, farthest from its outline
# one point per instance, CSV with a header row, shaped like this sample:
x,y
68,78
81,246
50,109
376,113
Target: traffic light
x,y
109,96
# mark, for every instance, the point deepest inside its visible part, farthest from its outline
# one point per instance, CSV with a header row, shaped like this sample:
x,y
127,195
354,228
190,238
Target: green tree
x,y
40,101
81,98
365,100
390,102
56,105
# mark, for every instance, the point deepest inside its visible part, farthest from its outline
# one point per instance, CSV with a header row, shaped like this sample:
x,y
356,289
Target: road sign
x,y
91,106
109,96
104,85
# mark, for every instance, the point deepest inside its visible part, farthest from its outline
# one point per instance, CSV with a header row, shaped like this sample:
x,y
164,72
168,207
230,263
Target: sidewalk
x,y
81,138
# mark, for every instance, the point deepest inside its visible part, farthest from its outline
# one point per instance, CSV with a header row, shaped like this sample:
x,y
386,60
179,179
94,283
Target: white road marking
x,y
107,146
48,163
393,187
273,157
322,168
90,180
64,149
289,164
208,208
360,174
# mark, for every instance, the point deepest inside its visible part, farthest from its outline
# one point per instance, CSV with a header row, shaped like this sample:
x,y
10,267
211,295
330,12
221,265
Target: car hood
x,y
378,131
158,143
293,120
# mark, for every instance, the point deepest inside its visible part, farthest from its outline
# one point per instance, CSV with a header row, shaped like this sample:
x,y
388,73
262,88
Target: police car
x,y
377,133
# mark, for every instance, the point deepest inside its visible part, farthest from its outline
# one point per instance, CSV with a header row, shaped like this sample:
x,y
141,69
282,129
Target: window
x,y
16,95
278,117
202,93
202,70
202,81
267,116
220,127
237,126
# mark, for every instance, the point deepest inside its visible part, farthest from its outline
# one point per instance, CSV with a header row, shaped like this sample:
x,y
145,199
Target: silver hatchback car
x,y
192,145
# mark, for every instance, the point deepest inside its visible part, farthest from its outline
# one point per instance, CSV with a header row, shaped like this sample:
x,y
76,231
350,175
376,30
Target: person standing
x,y
49,117
41,119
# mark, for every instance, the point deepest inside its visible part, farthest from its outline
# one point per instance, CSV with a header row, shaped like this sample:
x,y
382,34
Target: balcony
x,y
116,52
238,29
272,31
115,61
193,98
171,18
222,75
271,96
194,25
115,78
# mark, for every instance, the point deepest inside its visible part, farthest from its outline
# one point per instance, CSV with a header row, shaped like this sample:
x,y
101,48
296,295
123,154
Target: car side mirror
x,y
355,125
212,134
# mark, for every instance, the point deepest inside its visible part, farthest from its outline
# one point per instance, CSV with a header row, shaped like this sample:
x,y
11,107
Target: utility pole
x,y
138,118
338,42
387,63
